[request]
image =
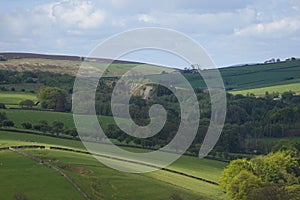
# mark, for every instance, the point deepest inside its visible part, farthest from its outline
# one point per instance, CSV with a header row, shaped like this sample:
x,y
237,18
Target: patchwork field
x,y
99,181
252,76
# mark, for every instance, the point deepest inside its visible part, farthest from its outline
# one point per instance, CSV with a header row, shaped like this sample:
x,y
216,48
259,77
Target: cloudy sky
x,y
231,31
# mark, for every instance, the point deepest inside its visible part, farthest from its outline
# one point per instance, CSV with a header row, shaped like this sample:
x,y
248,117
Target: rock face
x,y
147,92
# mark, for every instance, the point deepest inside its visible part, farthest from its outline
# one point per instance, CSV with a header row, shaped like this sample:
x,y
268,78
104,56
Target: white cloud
x,y
205,23
147,19
275,29
233,31
81,14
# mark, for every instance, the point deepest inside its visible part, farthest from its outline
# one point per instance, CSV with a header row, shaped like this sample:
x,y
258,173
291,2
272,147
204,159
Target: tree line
x,y
249,119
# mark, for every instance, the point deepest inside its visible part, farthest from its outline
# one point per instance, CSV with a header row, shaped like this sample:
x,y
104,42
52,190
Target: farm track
x,y
15,148
47,164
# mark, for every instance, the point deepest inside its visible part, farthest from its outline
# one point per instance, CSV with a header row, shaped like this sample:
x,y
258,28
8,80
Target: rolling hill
x,y
92,177
236,79
61,166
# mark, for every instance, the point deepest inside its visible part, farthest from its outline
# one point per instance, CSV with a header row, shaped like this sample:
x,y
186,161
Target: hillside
x,y
39,139
237,78
68,64
95,179
254,76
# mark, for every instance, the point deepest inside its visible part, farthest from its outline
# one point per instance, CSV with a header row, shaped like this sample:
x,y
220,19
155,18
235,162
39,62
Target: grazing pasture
x,y
99,181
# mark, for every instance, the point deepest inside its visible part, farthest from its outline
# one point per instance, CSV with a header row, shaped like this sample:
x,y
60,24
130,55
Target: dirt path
x,y
85,196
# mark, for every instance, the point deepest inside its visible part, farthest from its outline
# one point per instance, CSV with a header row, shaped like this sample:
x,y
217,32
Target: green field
x,y
35,116
294,87
199,167
20,174
101,182
251,76
14,98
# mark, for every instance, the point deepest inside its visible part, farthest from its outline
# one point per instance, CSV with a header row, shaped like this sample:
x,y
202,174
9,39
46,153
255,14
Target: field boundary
x,y
99,142
104,156
47,164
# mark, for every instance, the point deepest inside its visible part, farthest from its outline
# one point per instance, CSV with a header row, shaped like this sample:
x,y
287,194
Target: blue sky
x,y
232,32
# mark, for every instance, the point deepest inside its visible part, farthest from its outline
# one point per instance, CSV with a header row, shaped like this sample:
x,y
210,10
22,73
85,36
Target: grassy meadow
x,y
294,87
20,174
99,181
34,116
14,98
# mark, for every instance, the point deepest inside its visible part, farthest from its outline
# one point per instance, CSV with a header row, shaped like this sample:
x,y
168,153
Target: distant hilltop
x,y
12,55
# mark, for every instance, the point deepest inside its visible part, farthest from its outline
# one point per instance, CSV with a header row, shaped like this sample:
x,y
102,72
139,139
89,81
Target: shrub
x,y
37,127
27,103
8,123
26,125
2,106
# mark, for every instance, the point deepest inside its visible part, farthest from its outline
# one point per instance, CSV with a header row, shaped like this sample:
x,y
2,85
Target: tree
x,y
293,192
285,145
44,127
287,96
231,171
27,103
274,176
269,192
53,98
243,185
57,127
72,132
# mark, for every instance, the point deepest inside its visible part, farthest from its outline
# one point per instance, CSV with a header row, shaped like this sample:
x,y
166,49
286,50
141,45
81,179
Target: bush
x,y
37,127
2,106
26,125
8,123
3,88
72,132
27,103
2,116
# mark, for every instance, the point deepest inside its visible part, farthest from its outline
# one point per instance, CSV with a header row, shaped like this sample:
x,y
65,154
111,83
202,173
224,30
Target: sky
x,y
232,31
